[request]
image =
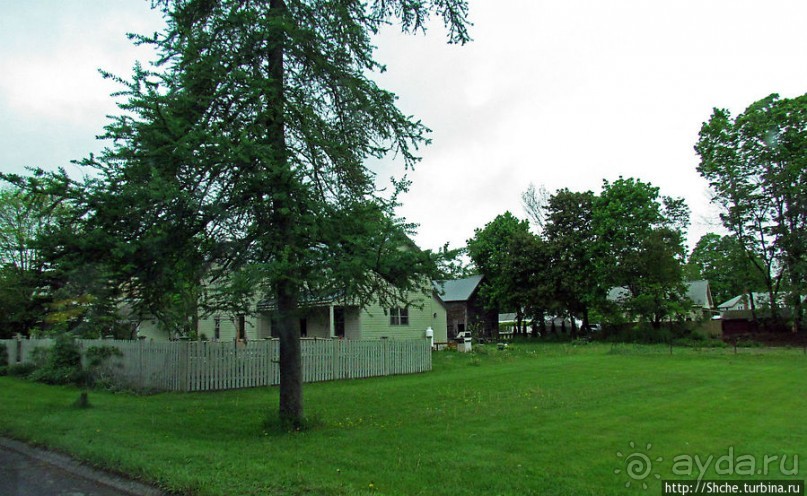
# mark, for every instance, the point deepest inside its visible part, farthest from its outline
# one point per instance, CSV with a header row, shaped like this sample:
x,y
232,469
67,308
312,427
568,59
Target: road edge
x,y
79,469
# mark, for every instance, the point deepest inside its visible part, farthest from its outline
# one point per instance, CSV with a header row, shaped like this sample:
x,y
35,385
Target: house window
x,y
241,330
398,316
339,321
217,328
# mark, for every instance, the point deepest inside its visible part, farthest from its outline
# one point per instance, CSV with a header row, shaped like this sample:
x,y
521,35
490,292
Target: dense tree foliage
x,y
497,251
627,242
756,164
640,246
26,275
569,232
239,163
722,261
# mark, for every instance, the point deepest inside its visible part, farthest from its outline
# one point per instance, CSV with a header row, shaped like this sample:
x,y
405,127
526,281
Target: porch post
x,y
331,324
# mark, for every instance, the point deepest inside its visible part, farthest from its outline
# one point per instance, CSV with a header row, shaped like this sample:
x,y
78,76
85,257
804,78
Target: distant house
x,y
325,318
464,308
742,302
740,306
337,318
699,292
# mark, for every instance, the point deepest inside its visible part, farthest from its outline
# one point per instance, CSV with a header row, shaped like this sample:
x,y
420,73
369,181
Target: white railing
x,y
209,366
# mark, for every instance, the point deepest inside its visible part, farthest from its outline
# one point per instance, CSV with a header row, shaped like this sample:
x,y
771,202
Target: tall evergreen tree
x,y
242,154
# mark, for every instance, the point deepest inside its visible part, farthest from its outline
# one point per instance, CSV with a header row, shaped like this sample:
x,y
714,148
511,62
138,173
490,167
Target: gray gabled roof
x,y
700,293
458,289
760,299
697,291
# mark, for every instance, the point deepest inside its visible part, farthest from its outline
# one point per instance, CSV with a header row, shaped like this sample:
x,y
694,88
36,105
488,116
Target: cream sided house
x,y
327,318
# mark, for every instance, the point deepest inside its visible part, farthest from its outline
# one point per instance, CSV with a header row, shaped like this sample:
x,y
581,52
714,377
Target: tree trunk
x,y
753,306
291,371
542,322
519,318
283,224
797,310
586,323
775,318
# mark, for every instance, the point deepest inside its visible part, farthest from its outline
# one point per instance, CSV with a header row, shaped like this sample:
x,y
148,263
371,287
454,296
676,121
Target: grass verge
x,y
531,419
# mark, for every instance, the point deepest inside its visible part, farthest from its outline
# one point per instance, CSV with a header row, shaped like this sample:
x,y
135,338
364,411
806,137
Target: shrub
x,y
63,364
21,370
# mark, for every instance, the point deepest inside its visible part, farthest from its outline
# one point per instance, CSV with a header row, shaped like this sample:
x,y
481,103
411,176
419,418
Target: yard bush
x,y
62,364
21,370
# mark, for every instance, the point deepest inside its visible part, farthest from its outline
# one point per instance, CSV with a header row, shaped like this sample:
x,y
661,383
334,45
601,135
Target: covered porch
x,y
330,321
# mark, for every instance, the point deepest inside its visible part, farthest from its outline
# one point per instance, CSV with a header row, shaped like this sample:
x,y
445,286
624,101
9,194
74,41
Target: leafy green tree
x,y
658,290
21,305
49,283
26,221
528,263
639,246
569,233
501,251
722,261
757,167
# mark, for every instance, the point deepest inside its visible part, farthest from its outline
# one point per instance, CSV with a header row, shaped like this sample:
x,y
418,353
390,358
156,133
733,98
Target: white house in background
x,y
699,292
743,302
762,301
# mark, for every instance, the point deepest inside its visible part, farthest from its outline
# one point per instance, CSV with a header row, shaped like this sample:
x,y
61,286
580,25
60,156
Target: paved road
x,y
26,471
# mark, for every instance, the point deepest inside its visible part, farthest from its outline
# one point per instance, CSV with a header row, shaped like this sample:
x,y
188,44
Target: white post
x,y
331,323
430,337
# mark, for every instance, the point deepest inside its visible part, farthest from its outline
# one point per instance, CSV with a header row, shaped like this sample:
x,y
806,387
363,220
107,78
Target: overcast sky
x,y
560,93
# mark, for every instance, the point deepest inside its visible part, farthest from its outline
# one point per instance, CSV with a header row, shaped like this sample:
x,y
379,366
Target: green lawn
x,y
533,419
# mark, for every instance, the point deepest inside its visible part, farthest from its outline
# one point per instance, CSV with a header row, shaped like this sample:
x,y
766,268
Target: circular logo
x,y
637,465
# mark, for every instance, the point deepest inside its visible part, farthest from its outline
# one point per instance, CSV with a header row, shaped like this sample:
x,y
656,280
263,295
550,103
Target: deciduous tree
x,y
756,165
722,261
503,252
639,244
569,232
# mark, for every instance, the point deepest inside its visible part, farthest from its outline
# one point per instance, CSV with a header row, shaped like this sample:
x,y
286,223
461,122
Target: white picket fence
x,y
210,366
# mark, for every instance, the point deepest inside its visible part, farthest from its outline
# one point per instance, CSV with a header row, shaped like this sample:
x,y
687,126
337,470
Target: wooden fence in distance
x,y
210,366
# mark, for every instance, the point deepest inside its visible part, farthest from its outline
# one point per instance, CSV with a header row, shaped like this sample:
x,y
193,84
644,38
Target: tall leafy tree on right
x,y
756,164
